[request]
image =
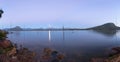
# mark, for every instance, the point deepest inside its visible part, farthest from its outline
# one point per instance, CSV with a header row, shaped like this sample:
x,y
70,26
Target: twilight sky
x,y
70,13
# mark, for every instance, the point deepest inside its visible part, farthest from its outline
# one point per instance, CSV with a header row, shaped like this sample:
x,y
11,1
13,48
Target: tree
x,y
1,12
2,33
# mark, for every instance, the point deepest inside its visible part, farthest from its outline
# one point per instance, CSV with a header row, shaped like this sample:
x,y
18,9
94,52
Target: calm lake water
x,y
77,46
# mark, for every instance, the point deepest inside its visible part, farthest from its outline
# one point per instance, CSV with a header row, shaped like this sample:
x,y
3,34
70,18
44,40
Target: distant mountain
x,y
102,28
17,28
107,26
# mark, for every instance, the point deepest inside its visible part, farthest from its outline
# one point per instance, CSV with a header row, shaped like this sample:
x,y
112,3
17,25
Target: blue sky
x,y
70,13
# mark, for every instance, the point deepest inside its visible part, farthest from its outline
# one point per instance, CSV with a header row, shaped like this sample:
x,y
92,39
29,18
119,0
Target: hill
x,y
107,26
17,28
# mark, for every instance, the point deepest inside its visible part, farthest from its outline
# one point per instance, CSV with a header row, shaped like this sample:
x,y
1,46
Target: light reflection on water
x,y
76,45
49,35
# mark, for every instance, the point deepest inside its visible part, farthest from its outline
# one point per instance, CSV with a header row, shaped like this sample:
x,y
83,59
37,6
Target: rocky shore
x,y
114,56
10,52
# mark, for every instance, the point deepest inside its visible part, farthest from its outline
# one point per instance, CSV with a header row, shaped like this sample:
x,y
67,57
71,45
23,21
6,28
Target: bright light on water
x,y
49,34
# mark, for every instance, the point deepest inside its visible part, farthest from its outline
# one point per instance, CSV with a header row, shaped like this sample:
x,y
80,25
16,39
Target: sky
x,y
59,13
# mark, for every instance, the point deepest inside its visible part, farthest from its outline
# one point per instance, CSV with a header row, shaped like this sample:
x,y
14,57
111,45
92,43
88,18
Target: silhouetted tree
x,y
2,33
1,12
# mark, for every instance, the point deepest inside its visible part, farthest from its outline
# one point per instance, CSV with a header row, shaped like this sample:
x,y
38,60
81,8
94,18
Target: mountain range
x,y
103,27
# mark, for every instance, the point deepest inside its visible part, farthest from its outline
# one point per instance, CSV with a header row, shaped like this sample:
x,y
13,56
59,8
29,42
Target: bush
x,y
3,35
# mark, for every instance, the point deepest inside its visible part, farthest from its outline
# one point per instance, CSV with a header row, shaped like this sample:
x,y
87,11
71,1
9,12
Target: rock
x,y
60,56
47,51
117,49
4,58
5,44
98,60
54,54
115,58
50,55
12,52
24,55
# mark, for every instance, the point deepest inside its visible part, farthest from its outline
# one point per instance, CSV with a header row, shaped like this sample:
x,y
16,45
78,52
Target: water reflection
x,y
17,33
63,35
49,34
107,32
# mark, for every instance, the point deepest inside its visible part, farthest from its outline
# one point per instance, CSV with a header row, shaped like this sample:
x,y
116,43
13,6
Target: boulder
x,y
12,52
5,44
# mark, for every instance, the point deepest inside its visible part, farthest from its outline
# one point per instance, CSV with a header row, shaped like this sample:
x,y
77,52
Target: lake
x,y
76,45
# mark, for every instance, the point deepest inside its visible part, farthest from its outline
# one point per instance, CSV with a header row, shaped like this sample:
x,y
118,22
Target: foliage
x,y
3,35
1,12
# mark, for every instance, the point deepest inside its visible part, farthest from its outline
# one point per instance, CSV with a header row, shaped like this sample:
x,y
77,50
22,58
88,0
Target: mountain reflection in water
x,y
107,32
